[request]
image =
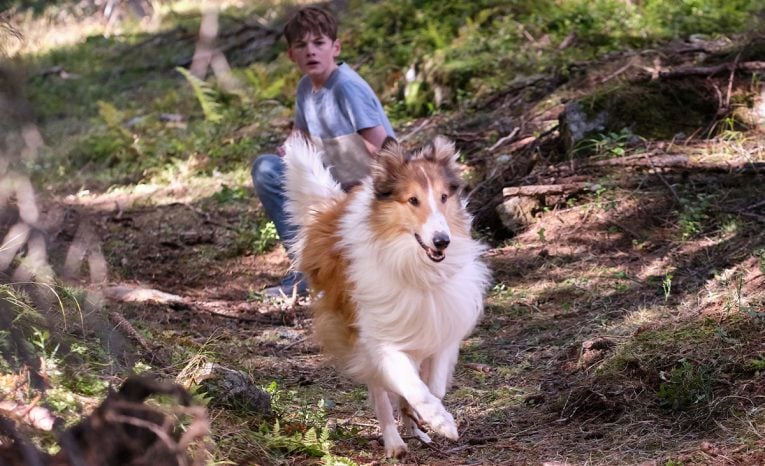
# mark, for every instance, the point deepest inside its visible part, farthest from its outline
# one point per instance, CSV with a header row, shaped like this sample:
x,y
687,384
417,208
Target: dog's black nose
x,y
441,240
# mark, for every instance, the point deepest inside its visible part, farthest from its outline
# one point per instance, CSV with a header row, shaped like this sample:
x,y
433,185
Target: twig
x,y
130,330
504,139
617,72
730,81
754,206
663,180
759,218
294,343
416,130
211,307
456,449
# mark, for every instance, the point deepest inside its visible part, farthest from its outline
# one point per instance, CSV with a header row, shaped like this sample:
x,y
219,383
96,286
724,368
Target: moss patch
x,y
655,110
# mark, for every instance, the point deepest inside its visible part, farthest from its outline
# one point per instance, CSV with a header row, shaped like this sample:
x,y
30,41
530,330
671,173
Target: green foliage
x,y
474,47
309,442
693,216
302,429
685,17
87,384
255,235
502,292
229,194
267,82
290,406
686,385
111,146
757,366
666,286
609,145
206,95
73,367
62,400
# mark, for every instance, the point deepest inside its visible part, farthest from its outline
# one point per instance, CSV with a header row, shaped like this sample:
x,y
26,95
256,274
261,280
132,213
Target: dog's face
x,y
418,195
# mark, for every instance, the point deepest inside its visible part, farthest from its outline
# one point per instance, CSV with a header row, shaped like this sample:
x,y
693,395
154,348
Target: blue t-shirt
x,y
334,114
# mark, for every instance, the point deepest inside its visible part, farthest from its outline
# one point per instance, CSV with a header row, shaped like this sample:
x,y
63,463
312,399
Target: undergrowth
x,y
141,121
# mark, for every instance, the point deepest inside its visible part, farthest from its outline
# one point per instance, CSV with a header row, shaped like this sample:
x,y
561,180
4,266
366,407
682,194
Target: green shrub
x,y
686,385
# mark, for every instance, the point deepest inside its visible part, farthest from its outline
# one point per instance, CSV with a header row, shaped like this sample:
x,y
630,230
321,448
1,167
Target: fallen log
x,y
545,189
680,162
566,173
687,71
668,162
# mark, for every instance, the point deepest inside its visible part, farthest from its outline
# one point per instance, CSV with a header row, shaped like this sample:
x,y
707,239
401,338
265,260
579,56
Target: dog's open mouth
x,y
433,254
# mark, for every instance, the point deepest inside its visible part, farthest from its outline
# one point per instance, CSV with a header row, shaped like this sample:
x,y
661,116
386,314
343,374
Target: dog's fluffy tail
x,y
310,186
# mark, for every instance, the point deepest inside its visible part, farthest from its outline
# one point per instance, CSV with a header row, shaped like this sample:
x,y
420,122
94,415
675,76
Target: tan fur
x,y
391,219
327,270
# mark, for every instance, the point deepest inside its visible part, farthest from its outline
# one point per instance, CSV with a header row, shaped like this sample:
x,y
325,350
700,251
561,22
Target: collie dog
x,y
397,279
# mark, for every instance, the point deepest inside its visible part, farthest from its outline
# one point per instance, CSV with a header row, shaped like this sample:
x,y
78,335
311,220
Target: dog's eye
x,y
414,201
444,197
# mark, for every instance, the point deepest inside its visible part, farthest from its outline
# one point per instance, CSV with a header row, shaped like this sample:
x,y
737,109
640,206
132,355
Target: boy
x,y
336,108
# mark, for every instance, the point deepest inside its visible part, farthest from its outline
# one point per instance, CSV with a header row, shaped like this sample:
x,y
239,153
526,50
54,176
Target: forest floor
x,y
608,337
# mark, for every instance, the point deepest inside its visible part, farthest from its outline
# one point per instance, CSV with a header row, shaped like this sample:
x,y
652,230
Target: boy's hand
x,y
280,151
373,138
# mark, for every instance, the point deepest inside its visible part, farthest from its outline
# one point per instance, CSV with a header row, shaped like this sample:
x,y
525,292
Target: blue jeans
x,y
268,179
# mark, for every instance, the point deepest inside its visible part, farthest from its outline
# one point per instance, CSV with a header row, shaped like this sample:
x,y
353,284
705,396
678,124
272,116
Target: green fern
x,y
263,82
314,442
109,113
205,94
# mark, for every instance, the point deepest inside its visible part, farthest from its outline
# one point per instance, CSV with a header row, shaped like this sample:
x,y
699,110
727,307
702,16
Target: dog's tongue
x,y
436,256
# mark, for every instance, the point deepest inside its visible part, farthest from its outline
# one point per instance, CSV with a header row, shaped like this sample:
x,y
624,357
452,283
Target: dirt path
x,y
543,378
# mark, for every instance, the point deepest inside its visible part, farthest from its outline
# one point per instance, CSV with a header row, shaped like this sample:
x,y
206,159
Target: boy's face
x,y
315,56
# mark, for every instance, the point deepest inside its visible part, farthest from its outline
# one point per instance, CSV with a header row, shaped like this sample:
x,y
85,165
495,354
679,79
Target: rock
x,y
575,125
229,387
594,350
752,117
516,213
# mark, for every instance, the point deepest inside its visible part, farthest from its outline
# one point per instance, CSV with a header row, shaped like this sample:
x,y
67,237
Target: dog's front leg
x,y
394,444
440,371
402,377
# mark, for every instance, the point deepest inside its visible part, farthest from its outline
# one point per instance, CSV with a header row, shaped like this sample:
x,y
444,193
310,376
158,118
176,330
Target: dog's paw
x,y
396,451
445,425
395,447
439,420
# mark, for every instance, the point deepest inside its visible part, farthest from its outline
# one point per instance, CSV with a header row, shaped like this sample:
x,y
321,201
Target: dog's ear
x,y
387,168
390,143
442,151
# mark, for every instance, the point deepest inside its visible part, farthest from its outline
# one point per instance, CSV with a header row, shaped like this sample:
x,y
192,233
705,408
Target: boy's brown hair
x,y
310,20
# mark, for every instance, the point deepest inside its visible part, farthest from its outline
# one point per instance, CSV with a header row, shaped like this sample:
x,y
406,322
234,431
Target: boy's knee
x,y
267,169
